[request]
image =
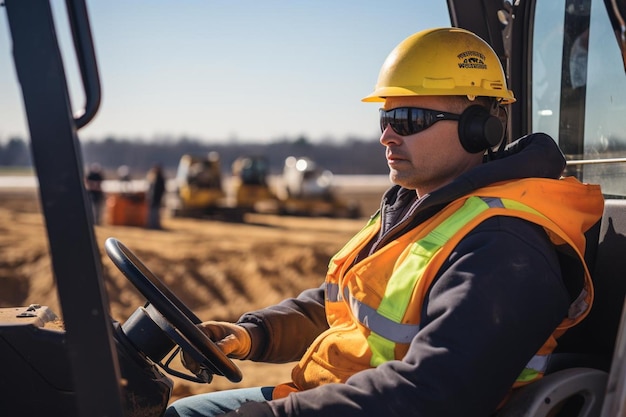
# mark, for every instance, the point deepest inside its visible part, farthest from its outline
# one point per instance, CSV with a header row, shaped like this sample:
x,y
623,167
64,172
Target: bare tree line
x,y
349,157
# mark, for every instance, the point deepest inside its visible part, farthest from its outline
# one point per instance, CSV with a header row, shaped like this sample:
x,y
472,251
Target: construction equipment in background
x,y
308,191
251,187
303,189
200,192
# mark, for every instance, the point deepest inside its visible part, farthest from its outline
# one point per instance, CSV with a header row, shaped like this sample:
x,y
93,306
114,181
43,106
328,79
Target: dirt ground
x,y
219,270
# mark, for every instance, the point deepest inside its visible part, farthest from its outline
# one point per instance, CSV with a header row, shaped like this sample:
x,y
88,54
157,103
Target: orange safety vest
x,y
373,307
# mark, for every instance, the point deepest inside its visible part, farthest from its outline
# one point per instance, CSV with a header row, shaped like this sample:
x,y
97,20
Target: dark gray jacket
x,y
495,301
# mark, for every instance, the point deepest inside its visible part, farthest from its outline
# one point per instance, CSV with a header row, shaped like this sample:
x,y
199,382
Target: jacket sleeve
x,y
496,300
273,329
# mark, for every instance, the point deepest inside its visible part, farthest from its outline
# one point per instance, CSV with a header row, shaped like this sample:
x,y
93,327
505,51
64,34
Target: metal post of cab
x,y
58,162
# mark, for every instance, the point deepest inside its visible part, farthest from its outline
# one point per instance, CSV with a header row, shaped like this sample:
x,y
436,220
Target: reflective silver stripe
x,y
332,292
538,363
579,306
390,330
493,202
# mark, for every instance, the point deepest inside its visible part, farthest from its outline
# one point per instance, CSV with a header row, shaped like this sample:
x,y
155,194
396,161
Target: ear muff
x,y
479,130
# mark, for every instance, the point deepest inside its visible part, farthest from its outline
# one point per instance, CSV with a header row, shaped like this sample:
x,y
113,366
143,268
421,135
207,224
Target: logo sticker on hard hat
x,y
472,59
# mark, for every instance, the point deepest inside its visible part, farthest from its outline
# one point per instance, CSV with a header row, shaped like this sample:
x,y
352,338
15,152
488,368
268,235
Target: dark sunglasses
x,y
407,121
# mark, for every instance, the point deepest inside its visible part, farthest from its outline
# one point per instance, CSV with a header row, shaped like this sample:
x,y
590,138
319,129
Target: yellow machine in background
x,y
308,191
250,184
200,192
199,181
303,189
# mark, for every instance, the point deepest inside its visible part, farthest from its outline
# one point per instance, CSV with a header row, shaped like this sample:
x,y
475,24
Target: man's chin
x,y
397,179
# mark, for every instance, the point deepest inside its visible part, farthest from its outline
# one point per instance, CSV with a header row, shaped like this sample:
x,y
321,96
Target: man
x,y
93,185
455,291
154,195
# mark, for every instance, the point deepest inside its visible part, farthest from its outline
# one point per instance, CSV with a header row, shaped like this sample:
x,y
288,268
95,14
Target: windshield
x,y
579,88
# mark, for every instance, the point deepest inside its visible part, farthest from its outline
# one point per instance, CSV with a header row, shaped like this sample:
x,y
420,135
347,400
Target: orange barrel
x,y
127,209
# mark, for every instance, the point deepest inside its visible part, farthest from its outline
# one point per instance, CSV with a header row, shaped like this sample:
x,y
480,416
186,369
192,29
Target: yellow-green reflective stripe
x,y
382,349
516,205
358,236
534,367
400,286
332,289
399,289
527,375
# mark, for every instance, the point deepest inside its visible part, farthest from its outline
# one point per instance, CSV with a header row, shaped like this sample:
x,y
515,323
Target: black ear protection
x,y
479,129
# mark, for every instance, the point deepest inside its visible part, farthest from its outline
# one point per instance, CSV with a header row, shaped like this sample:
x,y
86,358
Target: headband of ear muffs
x,y
479,129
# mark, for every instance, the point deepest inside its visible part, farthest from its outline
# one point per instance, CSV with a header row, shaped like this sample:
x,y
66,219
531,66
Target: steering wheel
x,y
181,318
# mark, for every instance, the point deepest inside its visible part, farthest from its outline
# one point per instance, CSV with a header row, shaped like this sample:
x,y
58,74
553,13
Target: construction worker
x,y
154,195
456,290
93,184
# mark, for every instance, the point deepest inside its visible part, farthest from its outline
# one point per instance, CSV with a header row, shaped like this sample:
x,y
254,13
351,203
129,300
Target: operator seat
x,y
576,380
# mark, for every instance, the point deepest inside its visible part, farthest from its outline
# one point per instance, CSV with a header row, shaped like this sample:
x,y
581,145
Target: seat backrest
x,y
607,262
578,390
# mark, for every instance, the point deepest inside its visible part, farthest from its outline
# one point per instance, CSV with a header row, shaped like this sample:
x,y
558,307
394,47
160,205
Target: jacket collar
x,y
533,156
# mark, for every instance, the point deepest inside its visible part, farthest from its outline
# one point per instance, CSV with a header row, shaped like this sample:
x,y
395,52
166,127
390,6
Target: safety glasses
x,y
407,121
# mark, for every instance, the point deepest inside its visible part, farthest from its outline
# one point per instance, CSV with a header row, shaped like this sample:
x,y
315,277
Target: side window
x,y
579,88
546,66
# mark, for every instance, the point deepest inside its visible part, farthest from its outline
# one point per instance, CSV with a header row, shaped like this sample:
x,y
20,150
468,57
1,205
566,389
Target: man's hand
x,y
231,338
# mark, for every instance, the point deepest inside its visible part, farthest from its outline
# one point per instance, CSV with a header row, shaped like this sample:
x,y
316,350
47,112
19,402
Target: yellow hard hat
x,y
442,62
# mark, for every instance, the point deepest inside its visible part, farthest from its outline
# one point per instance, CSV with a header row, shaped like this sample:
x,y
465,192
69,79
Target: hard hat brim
x,y
380,94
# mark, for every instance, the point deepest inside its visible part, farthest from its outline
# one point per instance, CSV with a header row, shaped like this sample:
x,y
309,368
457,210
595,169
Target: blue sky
x,y
247,70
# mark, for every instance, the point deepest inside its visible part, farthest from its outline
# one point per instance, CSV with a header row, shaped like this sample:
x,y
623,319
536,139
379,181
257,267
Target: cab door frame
x,y
510,38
